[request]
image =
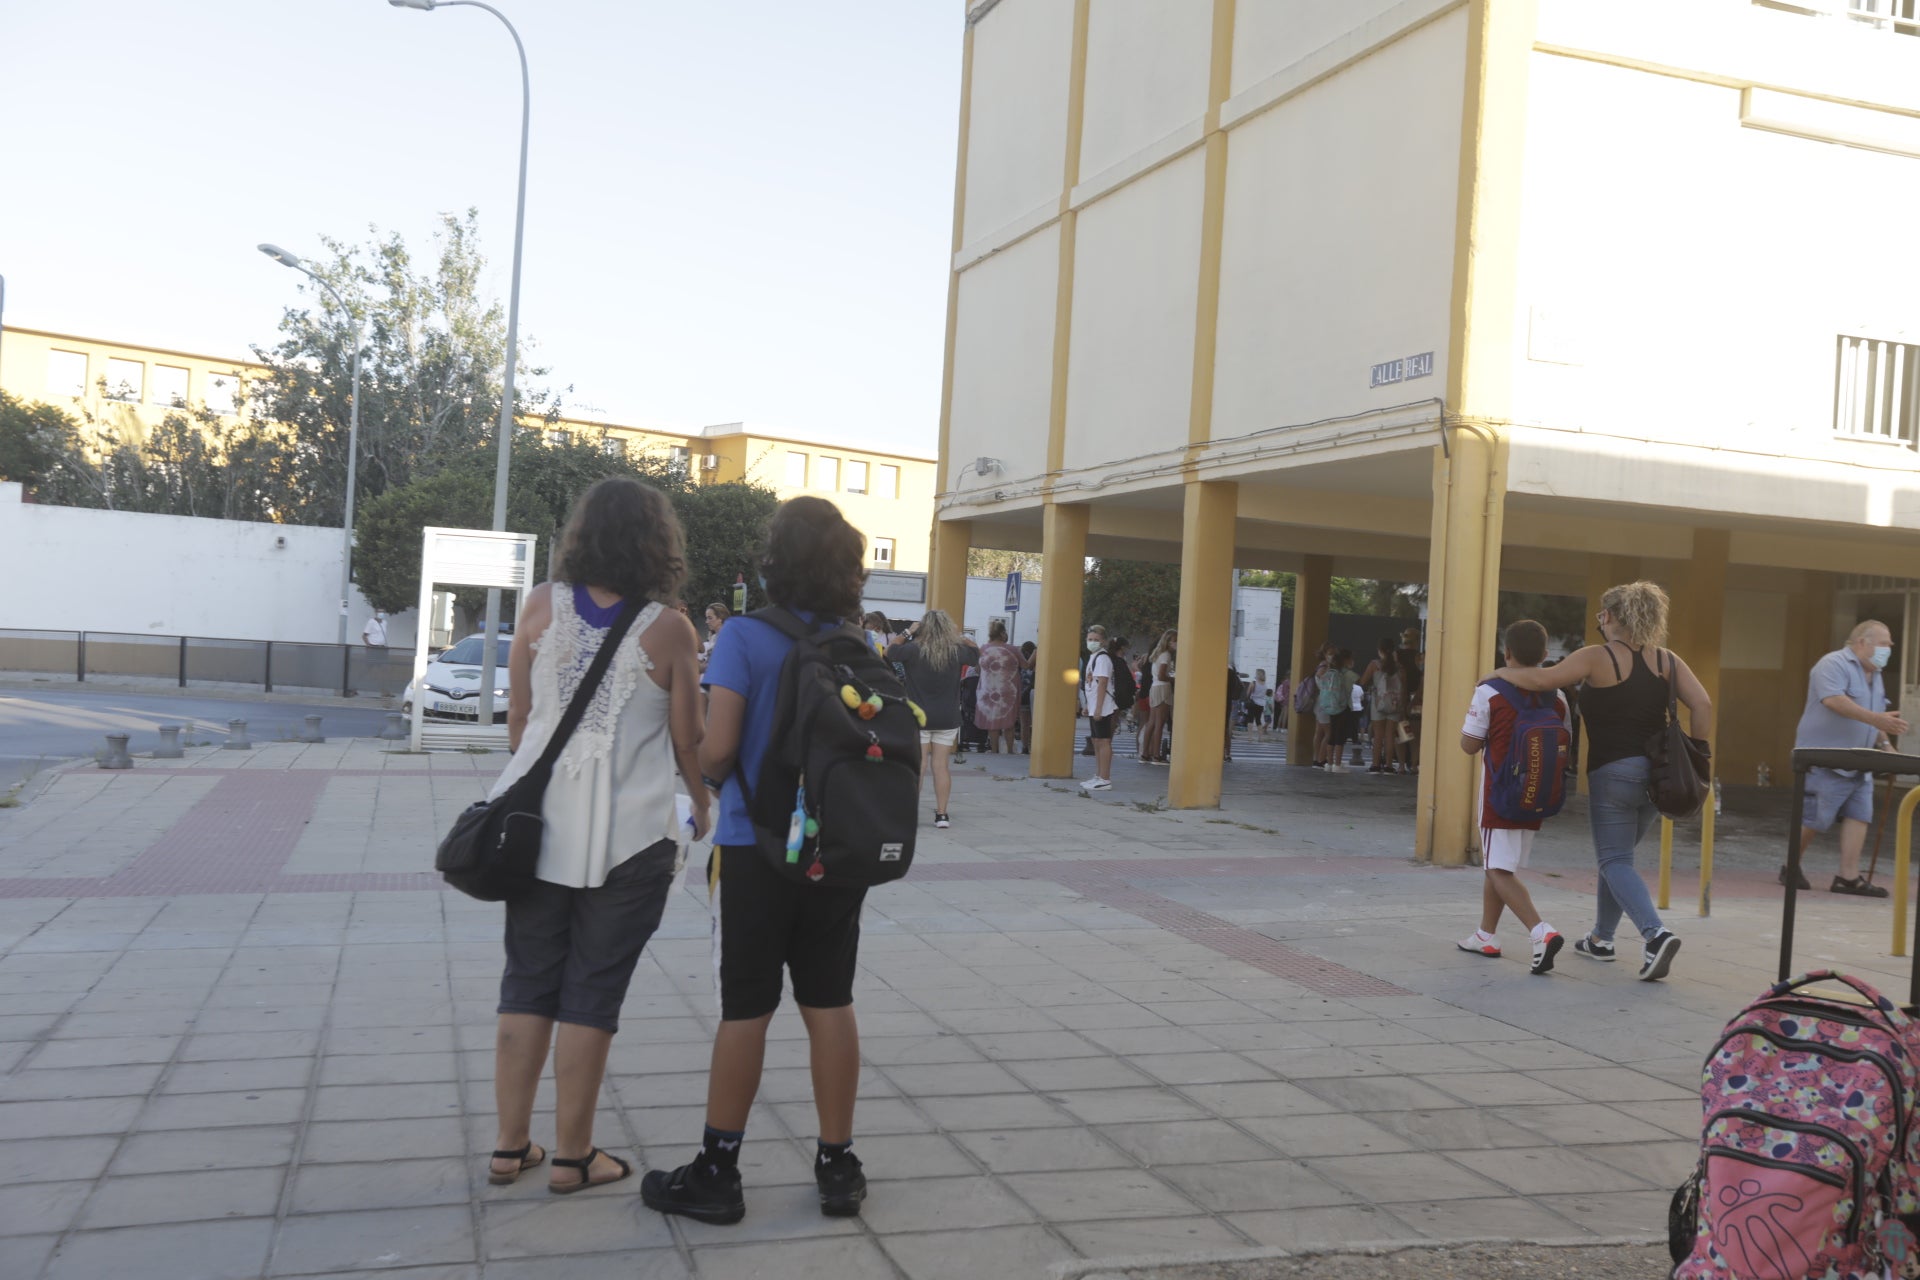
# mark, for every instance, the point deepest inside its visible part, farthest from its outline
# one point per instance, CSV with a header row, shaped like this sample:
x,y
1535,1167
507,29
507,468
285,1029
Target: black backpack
x,y
838,797
1125,690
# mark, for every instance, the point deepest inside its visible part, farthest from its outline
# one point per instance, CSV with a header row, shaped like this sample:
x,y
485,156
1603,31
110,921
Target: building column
x,y
1469,502
947,567
1206,615
1699,612
1057,657
1312,602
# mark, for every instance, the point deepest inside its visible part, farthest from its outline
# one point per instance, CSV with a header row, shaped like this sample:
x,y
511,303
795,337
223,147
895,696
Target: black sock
x,y
831,1151
721,1149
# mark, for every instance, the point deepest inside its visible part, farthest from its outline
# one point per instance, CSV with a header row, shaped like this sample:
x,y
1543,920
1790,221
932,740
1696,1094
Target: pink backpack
x,y
1808,1154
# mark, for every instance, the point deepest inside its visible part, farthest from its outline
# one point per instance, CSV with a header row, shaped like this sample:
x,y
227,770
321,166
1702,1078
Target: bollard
x,y
312,732
169,748
116,757
237,739
397,728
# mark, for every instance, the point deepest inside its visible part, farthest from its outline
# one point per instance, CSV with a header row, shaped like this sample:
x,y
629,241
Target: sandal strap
x,y
582,1164
521,1154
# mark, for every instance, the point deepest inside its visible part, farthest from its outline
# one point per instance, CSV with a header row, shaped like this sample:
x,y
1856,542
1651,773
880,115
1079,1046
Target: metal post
x,y
1666,861
1706,850
268,677
346,671
1793,869
183,662
1902,867
80,658
353,465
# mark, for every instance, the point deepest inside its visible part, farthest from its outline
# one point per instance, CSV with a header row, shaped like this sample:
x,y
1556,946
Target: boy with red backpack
x,y
1524,739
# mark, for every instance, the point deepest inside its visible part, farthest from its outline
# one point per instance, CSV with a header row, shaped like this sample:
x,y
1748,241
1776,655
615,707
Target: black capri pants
x,y
764,923
571,952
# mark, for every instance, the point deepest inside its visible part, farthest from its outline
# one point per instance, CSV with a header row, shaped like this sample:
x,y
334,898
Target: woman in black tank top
x,y
1623,704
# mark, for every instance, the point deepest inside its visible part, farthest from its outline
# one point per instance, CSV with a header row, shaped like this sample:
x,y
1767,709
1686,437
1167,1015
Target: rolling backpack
x,y
1528,780
1807,1155
838,797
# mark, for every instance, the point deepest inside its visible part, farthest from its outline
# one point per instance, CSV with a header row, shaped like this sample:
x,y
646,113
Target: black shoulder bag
x,y
494,847
1678,781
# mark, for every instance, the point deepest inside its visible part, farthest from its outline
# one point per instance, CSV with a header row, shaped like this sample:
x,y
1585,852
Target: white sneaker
x,y
1097,784
1546,945
1480,943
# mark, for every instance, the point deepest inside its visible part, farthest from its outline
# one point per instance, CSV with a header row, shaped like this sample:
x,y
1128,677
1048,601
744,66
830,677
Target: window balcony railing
x,y
1877,390
1900,17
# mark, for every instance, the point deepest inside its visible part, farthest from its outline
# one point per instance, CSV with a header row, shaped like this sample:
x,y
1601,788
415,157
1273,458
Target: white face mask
x,y
1093,646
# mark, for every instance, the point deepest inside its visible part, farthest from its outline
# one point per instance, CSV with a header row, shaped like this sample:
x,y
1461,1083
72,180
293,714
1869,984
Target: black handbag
x,y
494,847
1682,771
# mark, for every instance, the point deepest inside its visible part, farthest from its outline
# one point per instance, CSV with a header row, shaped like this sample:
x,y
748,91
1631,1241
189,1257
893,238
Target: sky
x,y
737,210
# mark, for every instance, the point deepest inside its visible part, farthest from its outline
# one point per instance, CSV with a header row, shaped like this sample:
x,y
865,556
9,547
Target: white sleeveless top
x,y
612,791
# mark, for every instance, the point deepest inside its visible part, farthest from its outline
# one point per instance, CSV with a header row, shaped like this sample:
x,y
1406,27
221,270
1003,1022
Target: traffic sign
x,y
1013,592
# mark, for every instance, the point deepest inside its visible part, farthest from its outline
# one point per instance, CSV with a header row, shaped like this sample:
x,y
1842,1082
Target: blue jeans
x,y
1621,815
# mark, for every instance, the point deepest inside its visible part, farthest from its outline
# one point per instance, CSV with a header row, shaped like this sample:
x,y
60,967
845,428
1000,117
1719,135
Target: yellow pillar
x,y
947,567
1206,610
1312,601
1469,469
1056,662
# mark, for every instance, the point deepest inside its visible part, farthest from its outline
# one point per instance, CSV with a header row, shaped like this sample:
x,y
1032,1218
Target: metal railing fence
x,y
208,660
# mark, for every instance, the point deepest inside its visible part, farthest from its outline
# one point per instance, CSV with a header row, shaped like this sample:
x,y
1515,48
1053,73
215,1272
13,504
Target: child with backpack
x,y
1333,705
1524,740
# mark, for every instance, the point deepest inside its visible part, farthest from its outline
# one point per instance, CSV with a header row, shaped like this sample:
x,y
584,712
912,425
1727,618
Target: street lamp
x,y
484,713
286,259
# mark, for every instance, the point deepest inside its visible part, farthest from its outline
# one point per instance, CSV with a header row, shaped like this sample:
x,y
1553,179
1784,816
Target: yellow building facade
x,y
1532,295
125,389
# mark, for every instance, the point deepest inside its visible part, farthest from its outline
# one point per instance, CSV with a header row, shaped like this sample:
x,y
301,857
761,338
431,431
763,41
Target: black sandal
x,y
583,1164
524,1156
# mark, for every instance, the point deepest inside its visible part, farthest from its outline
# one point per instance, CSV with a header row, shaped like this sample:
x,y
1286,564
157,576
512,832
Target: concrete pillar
x,y
1312,588
1700,607
1469,502
1056,660
947,567
1206,631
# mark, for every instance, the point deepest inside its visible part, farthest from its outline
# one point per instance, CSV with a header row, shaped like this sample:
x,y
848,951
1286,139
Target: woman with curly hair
x,y
613,834
1623,705
764,925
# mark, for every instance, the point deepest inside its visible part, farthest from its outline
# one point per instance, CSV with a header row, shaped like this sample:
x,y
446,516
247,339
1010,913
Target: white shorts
x,y
1505,850
939,737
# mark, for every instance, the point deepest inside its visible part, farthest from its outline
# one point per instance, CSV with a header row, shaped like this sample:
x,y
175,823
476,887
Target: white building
x,y
1542,294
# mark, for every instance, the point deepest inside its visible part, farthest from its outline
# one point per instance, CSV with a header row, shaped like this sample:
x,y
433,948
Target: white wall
x,y
75,569
1270,35
1338,247
987,600
1017,134
1135,286
1257,646
1146,76
1003,361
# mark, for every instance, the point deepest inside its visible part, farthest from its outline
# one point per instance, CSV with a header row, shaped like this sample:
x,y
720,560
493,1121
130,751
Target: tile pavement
x,y
242,1034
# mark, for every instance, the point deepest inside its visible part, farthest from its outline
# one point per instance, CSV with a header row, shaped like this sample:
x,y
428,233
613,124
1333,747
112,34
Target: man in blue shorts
x,y
1847,707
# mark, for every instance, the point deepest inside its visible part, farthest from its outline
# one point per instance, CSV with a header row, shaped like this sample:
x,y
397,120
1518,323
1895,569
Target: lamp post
x,y
286,259
484,713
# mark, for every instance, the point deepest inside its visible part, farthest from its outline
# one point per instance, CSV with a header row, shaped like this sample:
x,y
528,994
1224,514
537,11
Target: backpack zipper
x,y
1845,1055
1802,1126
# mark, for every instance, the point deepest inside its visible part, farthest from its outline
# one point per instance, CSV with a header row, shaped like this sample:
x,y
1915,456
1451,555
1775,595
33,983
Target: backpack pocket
x,y
869,814
1779,1199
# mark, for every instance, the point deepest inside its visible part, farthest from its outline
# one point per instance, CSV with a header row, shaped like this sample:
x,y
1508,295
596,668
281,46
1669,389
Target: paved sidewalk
x,y
243,1033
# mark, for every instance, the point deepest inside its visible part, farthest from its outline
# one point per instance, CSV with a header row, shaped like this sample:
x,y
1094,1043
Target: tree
x,y
1132,598
1564,617
41,448
983,562
431,370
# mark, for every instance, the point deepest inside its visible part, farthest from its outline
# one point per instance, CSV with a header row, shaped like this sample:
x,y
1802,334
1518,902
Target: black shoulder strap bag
x,y
1677,783
494,847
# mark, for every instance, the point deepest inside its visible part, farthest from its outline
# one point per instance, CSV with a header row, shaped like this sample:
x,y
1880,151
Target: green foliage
x,y
986,563
1132,598
1564,617
41,448
726,526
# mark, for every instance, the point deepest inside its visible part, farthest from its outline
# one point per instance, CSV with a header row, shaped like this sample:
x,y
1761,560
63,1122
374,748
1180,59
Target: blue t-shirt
x,y
1839,672
747,657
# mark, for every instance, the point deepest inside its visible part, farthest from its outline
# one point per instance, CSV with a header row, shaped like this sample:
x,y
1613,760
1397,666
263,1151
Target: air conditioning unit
x,y
709,462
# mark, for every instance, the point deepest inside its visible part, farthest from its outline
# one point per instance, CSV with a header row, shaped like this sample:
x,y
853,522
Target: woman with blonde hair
x,y
1623,706
934,657
1159,696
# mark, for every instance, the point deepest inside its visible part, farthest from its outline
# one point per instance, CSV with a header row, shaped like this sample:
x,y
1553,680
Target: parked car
x,y
453,682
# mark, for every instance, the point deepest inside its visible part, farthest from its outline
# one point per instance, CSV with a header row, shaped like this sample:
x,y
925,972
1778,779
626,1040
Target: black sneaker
x,y
1800,884
1859,887
704,1194
1658,957
842,1185
1594,949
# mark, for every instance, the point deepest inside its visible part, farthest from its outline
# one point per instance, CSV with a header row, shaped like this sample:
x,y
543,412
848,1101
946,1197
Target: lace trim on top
x,y
561,658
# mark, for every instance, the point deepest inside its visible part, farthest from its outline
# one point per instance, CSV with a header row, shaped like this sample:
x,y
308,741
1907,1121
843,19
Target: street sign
x,y
1013,592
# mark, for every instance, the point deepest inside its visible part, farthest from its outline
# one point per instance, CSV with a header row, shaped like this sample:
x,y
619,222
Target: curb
x,y
1110,1268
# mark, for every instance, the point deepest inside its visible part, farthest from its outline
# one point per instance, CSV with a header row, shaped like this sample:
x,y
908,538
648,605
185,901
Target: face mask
x,y
1093,646
1882,655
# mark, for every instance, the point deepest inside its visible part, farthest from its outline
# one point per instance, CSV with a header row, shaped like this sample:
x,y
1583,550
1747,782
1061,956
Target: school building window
x,y
558,437
826,475
679,462
614,447
170,386
221,392
886,480
796,471
125,379
1877,390
883,552
66,373
856,476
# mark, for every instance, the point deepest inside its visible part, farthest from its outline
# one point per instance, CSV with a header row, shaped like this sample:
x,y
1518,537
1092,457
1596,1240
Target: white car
x,y
453,682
